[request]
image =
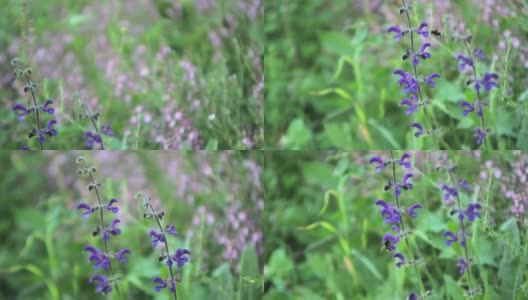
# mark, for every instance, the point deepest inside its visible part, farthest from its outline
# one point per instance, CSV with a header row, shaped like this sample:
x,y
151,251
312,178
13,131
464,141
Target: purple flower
x,y
92,138
469,106
449,191
478,53
120,255
450,237
464,184
464,61
49,128
47,109
403,162
420,30
480,135
170,230
399,34
169,261
404,184
412,296
393,215
161,283
106,130
409,82
429,79
180,257
379,162
111,229
157,237
489,81
407,185
100,259
23,109
472,211
419,127
423,54
89,210
390,241
103,286
411,209
463,264
411,102
109,206
401,257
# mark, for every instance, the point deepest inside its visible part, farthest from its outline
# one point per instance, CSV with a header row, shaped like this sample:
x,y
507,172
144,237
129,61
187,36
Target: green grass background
x,y
323,238
329,76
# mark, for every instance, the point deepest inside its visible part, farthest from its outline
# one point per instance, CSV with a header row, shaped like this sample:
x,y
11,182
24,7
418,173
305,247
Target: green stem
x,y
407,243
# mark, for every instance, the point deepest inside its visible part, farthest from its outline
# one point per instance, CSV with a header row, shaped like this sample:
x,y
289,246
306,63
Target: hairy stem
x,y
30,84
462,225
162,229
407,243
475,78
101,218
424,108
90,115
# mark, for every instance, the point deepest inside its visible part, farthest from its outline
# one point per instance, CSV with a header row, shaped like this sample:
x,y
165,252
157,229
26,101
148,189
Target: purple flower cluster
x,y
101,258
465,215
23,111
393,212
96,136
410,82
488,81
180,257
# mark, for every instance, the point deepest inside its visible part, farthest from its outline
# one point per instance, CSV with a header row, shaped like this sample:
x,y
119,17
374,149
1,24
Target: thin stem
x,y
90,115
30,84
101,218
424,108
407,243
475,78
462,225
162,230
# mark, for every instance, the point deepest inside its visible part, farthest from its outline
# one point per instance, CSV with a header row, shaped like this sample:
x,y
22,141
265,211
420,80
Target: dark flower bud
x,y
96,231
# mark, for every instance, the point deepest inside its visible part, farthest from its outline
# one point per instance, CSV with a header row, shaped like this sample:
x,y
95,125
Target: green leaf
x,y
505,122
249,269
511,233
30,219
212,145
225,285
279,264
385,133
451,289
506,274
297,136
522,138
448,92
319,174
336,42
368,264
